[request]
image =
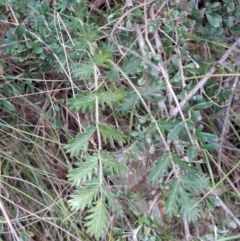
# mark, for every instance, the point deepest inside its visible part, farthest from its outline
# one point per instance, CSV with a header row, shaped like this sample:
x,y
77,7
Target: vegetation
x,y
119,120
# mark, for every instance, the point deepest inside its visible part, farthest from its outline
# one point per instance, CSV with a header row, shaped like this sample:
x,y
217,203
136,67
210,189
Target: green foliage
x,y
98,212
93,54
80,143
83,196
157,172
110,96
84,171
110,134
83,102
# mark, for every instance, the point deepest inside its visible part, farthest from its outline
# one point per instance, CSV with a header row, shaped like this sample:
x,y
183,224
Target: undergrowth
x,y
119,120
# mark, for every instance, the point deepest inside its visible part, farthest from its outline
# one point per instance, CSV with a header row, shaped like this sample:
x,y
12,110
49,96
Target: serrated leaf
x,y
165,125
98,219
189,206
80,143
102,58
84,171
83,197
111,96
185,166
110,164
111,134
160,167
8,105
82,102
83,71
130,102
131,65
194,183
206,137
111,200
171,205
112,75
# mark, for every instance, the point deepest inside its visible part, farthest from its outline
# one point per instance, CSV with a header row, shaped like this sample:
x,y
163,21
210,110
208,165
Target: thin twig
x,y
228,211
201,83
225,123
186,228
140,40
13,231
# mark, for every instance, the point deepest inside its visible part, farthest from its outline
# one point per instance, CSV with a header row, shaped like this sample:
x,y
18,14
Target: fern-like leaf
x,y
130,102
111,165
83,197
83,71
195,183
165,125
110,134
171,205
84,171
190,207
98,219
111,96
113,205
80,143
185,166
130,65
82,102
102,57
160,167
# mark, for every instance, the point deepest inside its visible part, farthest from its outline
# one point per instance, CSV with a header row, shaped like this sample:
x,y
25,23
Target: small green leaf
x,y
111,96
206,137
7,90
175,61
203,105
37,48
152,27
214,19
8,105
176,130
192,152
210,147
56,123
20,30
